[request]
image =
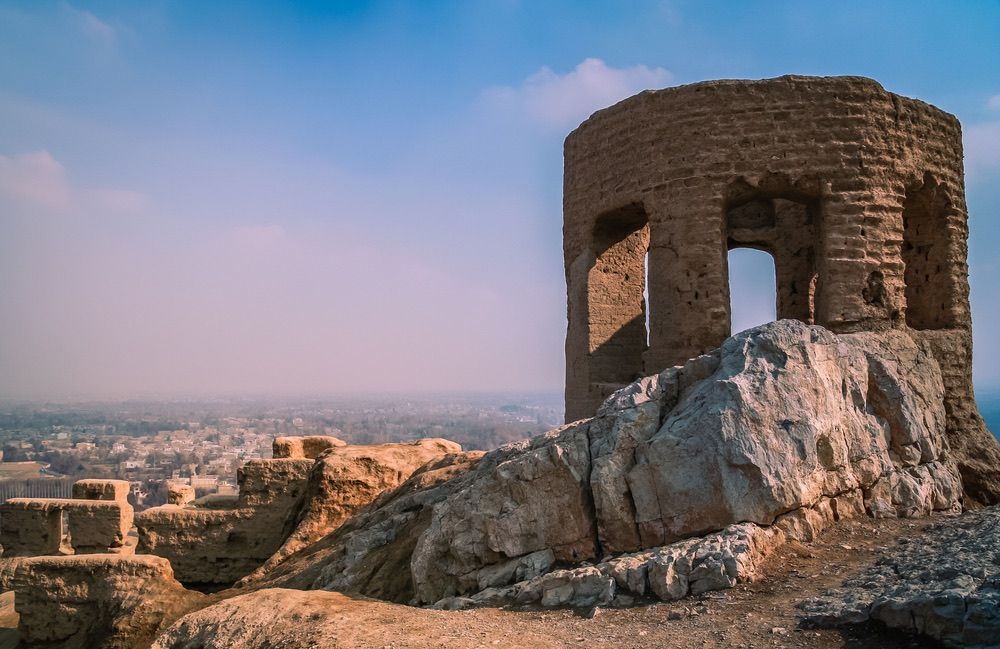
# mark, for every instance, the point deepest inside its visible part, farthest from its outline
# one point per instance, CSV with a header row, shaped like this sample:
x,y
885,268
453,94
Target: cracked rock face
x,y
946,585
777,418
785,421
689,567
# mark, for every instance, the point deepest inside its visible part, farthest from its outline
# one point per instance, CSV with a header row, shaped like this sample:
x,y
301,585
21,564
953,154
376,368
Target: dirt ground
x,y
760,614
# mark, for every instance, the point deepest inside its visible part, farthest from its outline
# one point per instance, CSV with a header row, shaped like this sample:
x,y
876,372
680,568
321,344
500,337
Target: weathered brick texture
x,y
857,193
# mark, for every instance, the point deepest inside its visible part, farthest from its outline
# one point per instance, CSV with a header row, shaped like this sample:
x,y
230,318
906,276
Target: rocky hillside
x,y
686,483
783,430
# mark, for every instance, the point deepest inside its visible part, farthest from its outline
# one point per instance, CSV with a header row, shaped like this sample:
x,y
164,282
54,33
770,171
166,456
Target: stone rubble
x,y
691,567
944,584
345,478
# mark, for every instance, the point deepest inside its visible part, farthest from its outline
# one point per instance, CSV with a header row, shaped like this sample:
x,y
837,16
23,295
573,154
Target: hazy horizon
x,y
202,200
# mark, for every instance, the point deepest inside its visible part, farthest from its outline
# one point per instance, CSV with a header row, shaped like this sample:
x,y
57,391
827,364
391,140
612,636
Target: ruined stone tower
x,y
856,192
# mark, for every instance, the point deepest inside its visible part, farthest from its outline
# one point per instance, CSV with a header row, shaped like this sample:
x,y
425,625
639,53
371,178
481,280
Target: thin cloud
x,y
34,179
122,201
260,239
92,26
36,182
563,100
994,102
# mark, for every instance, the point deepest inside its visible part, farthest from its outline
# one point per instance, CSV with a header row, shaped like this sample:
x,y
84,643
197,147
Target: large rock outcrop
x,y
785,423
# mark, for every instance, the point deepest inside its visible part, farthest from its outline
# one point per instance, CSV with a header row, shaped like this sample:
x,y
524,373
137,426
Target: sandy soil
x,y
762,614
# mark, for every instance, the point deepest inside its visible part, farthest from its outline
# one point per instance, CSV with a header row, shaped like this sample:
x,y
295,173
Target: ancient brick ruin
x,y
219,539
856,192
97,519
712,451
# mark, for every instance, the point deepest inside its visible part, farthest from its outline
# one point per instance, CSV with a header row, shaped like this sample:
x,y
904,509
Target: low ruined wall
x,y
284,504
220,546
92,489
29,531
277,483
33,526
98,515
180,494
207,546
95,601
347,478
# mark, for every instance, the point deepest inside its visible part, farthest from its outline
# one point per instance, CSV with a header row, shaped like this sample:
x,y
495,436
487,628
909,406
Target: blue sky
x,y
220,197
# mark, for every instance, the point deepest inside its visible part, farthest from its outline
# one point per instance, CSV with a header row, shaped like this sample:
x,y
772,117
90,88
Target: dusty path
x,y
753,615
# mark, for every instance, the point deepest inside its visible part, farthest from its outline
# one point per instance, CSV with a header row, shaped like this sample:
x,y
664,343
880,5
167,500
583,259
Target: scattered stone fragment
x,y
945,584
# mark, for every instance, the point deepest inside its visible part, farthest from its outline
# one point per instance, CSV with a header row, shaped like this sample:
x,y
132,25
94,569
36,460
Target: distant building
x,y
36,488
206,482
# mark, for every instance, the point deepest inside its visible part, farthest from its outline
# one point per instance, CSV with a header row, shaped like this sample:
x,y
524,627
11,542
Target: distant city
x,y
203,443
47,446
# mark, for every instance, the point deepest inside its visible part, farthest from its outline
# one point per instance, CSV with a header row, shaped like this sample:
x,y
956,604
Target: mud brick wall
x,y
857,193
220,546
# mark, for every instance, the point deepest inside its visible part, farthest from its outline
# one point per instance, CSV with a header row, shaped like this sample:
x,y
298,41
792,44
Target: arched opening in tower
x,y
752,288
772,243
617,297
930,292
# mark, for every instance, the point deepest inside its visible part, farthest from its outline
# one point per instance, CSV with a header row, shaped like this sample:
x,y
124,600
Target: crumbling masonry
x,y
856,192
